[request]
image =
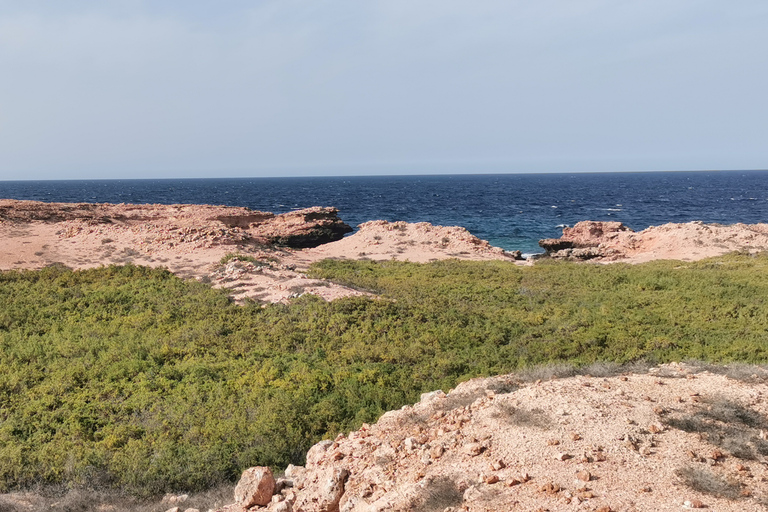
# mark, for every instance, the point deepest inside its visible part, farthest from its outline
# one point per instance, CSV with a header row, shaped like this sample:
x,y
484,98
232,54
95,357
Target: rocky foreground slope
x,y
677,437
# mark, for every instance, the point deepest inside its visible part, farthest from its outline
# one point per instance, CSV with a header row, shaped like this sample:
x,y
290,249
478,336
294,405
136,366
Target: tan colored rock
x,y
326,494
498,464
473,449
318,451
175,498
411,444
280,506
256,487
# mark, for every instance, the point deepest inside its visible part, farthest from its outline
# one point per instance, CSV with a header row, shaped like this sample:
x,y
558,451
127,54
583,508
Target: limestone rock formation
x,y
303,228
256,255
213,224
416,242
583,241
612,241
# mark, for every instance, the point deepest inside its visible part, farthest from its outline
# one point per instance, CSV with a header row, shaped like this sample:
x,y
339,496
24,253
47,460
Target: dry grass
x,y
727,424
520,417
60,499
439,493
742,372
456,400
708,482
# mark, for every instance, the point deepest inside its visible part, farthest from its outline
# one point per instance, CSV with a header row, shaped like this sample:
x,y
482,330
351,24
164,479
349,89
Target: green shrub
x,y
130,377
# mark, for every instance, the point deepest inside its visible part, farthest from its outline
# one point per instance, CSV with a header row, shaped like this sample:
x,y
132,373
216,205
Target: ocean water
x,y
512,211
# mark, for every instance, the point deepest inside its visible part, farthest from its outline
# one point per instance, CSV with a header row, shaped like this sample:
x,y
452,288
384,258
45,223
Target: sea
x,y
512,211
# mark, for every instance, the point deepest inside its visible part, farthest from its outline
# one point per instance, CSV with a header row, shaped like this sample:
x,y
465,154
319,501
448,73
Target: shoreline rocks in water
x,y
583,241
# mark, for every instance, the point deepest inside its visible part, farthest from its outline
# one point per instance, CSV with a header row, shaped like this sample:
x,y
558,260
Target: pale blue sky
x,y
186,88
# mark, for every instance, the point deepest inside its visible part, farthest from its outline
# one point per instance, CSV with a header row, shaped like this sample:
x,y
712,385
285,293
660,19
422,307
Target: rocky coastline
x,y
255,255
264,256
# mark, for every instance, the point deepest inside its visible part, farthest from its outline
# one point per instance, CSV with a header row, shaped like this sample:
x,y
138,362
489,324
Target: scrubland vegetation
x,y
132,378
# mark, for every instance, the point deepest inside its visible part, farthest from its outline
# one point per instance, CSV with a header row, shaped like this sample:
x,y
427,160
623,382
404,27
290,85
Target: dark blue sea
x,y
512,211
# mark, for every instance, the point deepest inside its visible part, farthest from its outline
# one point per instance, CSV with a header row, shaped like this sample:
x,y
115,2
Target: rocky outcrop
x,y
673,438
256,255
416,242
303,228
583,241
612,241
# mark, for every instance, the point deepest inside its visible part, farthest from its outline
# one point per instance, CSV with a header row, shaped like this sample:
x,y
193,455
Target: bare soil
x,y
670,438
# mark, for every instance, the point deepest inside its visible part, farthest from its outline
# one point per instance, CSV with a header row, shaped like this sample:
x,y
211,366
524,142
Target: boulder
x,y
591,233
256,487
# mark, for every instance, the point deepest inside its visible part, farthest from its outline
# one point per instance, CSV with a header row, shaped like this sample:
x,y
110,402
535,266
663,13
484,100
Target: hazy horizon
x,y
171,89
393,174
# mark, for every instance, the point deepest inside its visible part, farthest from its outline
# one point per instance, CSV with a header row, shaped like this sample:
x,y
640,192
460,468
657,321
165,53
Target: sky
x,y
234,88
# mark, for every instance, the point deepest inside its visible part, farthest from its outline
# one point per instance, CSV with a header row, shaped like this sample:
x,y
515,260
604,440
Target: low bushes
x,y
133,378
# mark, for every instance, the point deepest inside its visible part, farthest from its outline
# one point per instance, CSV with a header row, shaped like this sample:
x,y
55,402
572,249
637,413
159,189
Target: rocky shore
x,y
263,256
256,255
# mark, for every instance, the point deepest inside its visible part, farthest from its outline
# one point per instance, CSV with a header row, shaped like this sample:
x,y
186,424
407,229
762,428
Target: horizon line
x,y
387,175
